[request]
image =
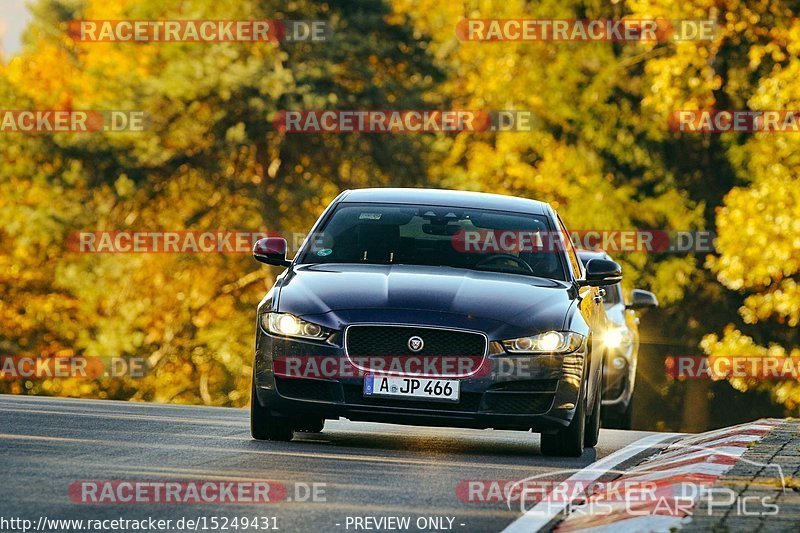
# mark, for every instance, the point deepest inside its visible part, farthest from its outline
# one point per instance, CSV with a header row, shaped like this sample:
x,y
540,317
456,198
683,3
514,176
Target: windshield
x,y
475,239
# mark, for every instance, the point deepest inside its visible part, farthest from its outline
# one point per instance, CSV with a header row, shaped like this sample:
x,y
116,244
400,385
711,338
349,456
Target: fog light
x,y
619,363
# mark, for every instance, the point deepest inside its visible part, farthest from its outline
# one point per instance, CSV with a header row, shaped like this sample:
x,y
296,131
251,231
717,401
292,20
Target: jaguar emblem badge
x,y
415,344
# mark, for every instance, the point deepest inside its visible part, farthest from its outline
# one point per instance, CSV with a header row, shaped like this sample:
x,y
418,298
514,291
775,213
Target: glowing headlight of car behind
x,y
548,342
291,326
616,337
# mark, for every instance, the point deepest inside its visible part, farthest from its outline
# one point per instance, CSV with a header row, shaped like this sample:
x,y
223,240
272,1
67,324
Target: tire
x,y
592,431
266,426
310,425
568,442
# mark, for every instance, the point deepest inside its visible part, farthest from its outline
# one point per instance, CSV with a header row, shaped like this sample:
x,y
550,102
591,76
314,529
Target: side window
x,y
577,269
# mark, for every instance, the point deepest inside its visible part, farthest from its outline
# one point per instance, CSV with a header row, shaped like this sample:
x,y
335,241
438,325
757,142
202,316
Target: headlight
x,y
291,326
548,342
615,337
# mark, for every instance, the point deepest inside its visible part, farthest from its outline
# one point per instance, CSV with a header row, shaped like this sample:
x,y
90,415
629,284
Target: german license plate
x,y
412,388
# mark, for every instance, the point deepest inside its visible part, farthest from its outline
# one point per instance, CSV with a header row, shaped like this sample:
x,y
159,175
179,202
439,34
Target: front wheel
x,y
568,442
266,426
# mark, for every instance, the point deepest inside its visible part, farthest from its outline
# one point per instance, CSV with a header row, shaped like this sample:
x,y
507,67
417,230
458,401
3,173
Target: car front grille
x,y
379,347
388,341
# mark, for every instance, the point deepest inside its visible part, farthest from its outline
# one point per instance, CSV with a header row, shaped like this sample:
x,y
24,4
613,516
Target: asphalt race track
x,y
365,470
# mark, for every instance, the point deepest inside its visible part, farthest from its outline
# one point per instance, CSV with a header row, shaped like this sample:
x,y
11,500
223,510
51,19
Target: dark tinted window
x,y
435,235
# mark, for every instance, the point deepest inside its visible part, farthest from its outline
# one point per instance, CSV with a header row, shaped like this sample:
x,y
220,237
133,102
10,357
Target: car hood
x,y
503,298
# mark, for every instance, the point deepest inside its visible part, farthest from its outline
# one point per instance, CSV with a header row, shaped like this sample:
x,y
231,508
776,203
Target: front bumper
x,y
513,392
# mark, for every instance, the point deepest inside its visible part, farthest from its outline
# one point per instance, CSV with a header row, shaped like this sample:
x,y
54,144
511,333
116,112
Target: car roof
x,y
445,197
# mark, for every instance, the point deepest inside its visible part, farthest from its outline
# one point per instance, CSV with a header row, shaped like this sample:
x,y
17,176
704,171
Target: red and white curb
x,y
695,461
548,509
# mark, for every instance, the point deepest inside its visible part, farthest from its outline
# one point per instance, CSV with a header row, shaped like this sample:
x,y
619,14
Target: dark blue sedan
x,y
433,307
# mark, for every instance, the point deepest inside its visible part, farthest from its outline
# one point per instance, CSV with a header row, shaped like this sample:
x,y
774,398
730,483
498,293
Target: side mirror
x,y
642,300
601,272
271,251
